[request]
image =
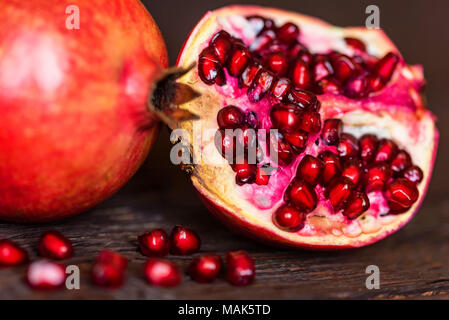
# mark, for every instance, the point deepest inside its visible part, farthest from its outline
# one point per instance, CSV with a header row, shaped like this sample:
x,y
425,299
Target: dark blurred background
x,y
419,28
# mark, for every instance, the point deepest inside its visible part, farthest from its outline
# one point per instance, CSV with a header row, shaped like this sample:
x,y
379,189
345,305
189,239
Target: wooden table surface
x,y
414,263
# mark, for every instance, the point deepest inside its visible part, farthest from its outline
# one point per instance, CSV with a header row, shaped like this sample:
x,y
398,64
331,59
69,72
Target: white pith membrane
x,y
396,112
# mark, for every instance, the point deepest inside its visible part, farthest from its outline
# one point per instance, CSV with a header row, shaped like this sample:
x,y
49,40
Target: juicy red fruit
x,y
289,218
45,275
310,169
302,195
11,254
54,245
241,269
340,190
230,117
109,270
184,241
288,33
154,243
331,131
357,204
401,194
206,268
162,273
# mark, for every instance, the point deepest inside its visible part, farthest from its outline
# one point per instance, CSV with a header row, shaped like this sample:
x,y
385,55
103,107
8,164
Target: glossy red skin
x,y
54,245
75,126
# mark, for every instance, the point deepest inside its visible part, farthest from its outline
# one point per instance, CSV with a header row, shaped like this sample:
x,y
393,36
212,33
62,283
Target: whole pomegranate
x,y
75,78
310,135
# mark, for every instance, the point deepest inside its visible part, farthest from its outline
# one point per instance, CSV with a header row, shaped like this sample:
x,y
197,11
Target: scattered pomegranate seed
x,y
386,66
331,131
11,254
332,167
262,177
245,173
284,150
162,273
368,147
322,68
401,194
353,170
303,99
184,241
339,192
413,174
286,117
54,245
109,270
400,161
375,83
154,243
205,269
376,176
310,122
209,68
288,33
241,270
386,150
357,204
45,275
230,117
277,62
262,84
344,67
111,257
289,219
250,74
222,45
280,88
348,146
310,169
302,195
297,140
238,60
300,74
357,87
355,44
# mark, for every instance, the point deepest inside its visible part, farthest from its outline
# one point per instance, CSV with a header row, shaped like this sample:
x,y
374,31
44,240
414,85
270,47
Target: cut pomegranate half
x,y
353,134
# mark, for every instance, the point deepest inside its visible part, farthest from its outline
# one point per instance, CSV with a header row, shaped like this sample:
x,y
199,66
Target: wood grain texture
x,y
414,263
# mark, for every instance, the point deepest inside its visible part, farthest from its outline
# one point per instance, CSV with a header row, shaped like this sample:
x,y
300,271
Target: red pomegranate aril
x,y
355,44
400,162
262,176
288,33
289,219
356,205
54,245
245,173
107,275
303,99
262,84
226,143
259,23
300,74
301,195
286,117
298,140
240,268
162,273
154,243
376,176
222,44
296,49
250,74
262,40
209,68
277,62
310,122
252,120
230,117
329,85
322,68
375,83
45,275
11,254
284,150
344,67
305,56
184,241
339,191
280,88
348,146
413,174
401,194
205,269
357,87
238,60
368,147
274,46
331,132
112,258
310,169
332,167
386,150
386,66
353,170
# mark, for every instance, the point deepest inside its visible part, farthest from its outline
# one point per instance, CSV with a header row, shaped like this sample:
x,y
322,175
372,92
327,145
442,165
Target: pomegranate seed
x,y
262,177
329,85
112,258
297,140
286,117
263,83
357,87
386,150
376,176
348,146
302,195
355,44
310,169
375,83
413,174
226,142
344,67
310,122
280,88
288,33
45,275
238,60
277,62
357,204
184,241
368,147
251,120
222,45
162,273
230,117
332,167
400,162
205,269
331,132
303,99
283,150
296,50
11,254
250,74
154,243
262,40
306,56
54,245
241,270
353,170
274,46
401,194
209,68
245,173
289,219
386,66
339,192
259,23
300,74
322,68
107,275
